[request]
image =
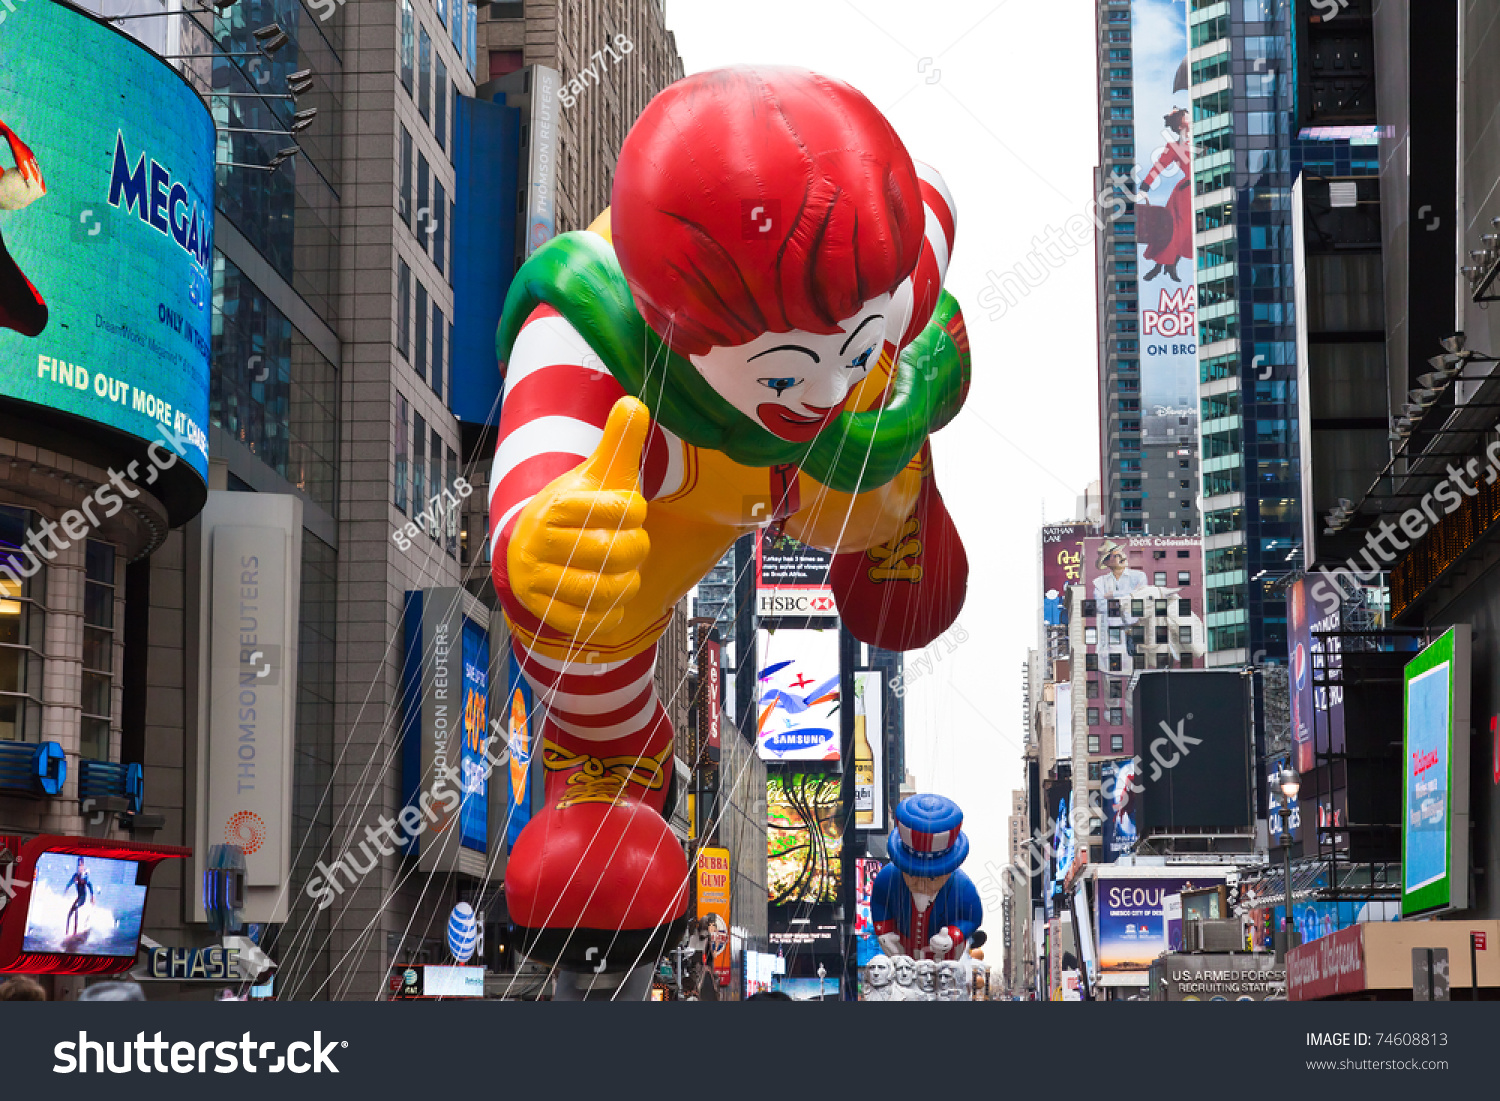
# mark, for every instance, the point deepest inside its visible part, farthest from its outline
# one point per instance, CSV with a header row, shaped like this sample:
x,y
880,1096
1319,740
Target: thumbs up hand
x,y
574,557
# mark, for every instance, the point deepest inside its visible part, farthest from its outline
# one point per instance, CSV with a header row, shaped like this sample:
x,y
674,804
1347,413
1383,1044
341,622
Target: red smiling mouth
x,y
793,426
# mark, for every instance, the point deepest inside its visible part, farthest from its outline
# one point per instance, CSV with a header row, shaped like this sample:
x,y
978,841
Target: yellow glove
x,y
575,554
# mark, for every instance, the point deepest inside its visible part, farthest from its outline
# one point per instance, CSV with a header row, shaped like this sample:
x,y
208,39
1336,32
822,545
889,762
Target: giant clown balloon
x,y
754,333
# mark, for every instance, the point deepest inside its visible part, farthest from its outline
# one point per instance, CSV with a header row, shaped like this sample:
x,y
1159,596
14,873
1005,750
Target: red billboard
x,y
1330,965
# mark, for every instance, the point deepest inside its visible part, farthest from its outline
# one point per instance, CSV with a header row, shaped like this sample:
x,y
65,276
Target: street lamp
x,y
1290,784
822,974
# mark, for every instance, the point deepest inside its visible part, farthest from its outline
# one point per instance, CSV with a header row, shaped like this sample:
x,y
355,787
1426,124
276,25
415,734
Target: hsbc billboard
x,y
791,580
793,602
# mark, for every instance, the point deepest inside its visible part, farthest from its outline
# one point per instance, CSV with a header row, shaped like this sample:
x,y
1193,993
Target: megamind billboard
x,y
1164,211
106,231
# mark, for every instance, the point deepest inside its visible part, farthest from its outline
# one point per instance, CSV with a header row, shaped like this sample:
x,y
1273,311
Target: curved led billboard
x,y
106,242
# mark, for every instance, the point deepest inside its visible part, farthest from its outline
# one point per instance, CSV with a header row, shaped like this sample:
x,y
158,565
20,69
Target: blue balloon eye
x,y
780,385
863,358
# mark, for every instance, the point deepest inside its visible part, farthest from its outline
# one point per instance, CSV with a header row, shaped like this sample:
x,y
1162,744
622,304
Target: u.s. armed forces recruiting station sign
x,y
106,232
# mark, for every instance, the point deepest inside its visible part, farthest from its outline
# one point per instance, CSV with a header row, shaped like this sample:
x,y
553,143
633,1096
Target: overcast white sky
x,y
1000,98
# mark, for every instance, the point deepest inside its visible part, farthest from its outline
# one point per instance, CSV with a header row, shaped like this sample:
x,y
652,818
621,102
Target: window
x,y
21,629
1115,636
1185,636
1116,689
1164,661
1159,578
1183,554
418,482
424,74
1182,464
1116,716
1161,634
98,650
1137,607
1184,577
403,199
424,211
419,361
439,363
1090,609
440,96
1161,607
1091,636
1114,608
1117,743
403,308
1094,771
407,44
1093,716
437,483
1092,690
1185,606
440,217
1091,663
1138,633
1093,743
456,28
471,38
402,415
1115,663
442,11
1187,661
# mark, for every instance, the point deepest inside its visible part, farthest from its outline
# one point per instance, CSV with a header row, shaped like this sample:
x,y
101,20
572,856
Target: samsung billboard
x,y
106,243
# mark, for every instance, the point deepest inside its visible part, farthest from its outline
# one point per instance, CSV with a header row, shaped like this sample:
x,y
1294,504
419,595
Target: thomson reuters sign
x,y
792,602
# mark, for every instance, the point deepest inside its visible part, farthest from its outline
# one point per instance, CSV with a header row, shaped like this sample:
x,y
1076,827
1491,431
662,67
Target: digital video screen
x,y
84,905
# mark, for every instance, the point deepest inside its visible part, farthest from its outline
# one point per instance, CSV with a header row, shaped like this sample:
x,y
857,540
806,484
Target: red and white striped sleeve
x,y
558,395
919,293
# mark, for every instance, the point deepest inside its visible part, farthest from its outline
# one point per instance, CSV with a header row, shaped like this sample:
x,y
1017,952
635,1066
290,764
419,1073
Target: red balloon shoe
x,y
598,881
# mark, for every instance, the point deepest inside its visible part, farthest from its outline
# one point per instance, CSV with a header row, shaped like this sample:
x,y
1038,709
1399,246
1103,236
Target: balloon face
x,y
794,384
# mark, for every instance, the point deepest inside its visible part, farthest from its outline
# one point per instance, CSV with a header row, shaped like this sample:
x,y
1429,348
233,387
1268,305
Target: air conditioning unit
x,y
1223,935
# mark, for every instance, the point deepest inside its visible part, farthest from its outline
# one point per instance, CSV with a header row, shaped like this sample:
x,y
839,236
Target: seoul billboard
x,y
1435,790
106,259
1168,310
1131,921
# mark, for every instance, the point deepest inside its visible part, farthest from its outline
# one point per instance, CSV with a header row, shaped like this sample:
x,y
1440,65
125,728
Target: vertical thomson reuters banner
x,y
1168,308
713,907
248,599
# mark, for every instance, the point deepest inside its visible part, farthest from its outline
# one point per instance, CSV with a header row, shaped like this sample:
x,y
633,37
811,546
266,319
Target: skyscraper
x,y
1241,89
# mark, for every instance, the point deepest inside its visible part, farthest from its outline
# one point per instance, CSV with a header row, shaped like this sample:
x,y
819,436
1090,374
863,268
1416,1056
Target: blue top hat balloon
x,y
928,839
